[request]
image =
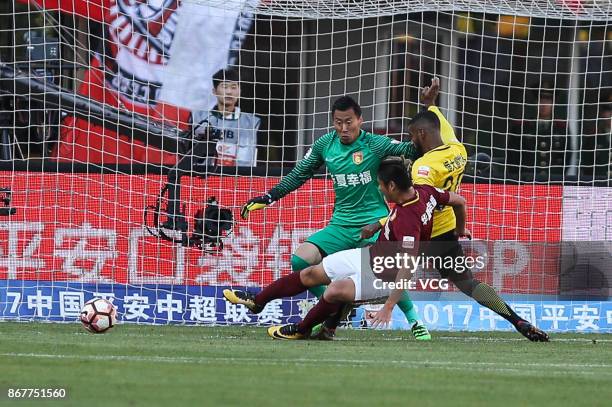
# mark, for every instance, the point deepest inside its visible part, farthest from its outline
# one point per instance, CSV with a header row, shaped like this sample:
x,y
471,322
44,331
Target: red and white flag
x,y
159,59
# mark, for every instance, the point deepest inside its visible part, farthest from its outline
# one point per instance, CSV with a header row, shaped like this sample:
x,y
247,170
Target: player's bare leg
x,y
309,252
338,293
288,286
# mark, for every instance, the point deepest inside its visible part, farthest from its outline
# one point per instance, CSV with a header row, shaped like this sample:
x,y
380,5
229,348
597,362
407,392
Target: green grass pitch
x,y
227,366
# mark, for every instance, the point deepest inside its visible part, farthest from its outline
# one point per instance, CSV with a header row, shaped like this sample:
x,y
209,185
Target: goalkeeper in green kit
x,y
352,157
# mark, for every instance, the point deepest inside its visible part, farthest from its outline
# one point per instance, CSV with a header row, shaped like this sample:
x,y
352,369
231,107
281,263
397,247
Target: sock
x,y
317,314
334,320
298,264
283,287
407,307
485,295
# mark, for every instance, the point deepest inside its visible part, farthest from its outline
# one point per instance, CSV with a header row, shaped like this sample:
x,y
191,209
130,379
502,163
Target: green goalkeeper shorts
x,y
334,238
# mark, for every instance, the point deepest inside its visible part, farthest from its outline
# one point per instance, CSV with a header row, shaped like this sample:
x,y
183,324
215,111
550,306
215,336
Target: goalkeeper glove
x,y
254,204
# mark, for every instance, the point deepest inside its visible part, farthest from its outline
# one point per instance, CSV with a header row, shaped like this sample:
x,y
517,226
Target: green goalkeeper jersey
x,y
353,169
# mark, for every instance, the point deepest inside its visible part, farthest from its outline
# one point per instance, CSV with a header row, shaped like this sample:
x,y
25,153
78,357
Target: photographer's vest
x,y
238,147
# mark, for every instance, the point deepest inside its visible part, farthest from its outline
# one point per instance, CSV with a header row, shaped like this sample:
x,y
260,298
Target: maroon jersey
x,y
411,222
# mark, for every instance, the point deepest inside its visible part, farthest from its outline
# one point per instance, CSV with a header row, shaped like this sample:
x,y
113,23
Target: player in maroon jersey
x,y
350,273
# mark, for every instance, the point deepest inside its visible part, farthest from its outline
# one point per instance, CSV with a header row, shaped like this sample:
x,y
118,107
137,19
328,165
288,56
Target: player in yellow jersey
x,y
441,165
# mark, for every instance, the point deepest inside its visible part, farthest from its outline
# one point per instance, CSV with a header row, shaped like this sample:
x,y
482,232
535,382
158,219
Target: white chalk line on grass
x,y
519,368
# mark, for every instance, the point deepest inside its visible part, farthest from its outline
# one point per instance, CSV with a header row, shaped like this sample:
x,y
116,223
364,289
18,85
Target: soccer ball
x,y
98,315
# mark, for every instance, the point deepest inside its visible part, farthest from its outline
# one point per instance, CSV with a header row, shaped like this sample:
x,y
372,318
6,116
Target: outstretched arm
x,y
429,94
385,146
302,172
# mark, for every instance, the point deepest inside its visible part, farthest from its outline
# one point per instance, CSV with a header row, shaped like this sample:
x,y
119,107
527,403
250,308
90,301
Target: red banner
x,y
83,141
89,228
93,9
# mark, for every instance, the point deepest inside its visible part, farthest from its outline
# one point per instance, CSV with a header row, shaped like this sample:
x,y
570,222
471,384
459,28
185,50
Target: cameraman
x,y
226,137
238,146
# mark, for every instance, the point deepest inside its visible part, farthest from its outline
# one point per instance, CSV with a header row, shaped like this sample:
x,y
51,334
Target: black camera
x,y
211,225
204,131
197,143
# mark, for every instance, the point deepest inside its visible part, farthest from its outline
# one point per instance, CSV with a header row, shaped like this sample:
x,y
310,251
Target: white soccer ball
x,y
98,315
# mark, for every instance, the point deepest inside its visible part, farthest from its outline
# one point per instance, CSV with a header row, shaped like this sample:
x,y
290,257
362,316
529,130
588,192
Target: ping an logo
x,y
423,170
408,242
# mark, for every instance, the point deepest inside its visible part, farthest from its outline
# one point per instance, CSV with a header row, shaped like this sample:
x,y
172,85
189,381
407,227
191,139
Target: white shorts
x,y
347,264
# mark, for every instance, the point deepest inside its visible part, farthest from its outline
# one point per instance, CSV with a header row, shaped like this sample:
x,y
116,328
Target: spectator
x,y
595,154
538,147
238,147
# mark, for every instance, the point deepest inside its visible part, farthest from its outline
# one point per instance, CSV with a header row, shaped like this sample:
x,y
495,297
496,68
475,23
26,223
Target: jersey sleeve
x,y
441,196
303,171
384,146
423,173
446,130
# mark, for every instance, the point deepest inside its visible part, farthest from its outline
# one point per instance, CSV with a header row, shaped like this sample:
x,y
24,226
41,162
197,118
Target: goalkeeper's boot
x,y
289,331
243,297
531,332
420,332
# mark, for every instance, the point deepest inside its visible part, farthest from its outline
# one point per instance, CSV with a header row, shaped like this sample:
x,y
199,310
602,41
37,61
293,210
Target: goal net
x,y
115,142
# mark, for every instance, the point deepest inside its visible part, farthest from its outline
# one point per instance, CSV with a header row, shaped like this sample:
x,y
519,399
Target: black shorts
x,y
444,246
